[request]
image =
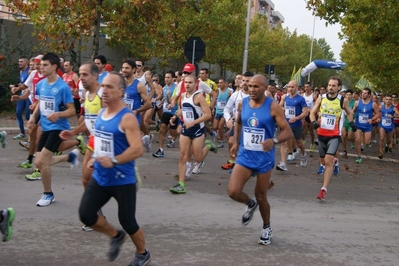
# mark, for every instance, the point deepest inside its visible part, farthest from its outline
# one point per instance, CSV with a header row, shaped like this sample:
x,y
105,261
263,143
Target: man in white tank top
x,y
310,99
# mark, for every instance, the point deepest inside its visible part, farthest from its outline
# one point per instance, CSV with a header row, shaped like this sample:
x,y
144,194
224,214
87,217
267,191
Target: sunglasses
x,y
139,65
187,73
155,80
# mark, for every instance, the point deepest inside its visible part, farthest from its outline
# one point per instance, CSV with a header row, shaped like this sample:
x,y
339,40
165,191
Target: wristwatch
x,y
114,161
275,140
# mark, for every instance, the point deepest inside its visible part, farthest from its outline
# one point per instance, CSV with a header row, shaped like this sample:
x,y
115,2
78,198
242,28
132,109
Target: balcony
x,y
277,17
267,2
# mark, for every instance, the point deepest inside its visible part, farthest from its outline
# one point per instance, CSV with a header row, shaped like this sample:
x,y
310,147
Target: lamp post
x,y
245,61
311,45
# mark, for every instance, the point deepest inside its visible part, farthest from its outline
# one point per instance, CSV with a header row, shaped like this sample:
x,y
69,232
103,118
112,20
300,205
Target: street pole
x,y
245,61
311,46
193,57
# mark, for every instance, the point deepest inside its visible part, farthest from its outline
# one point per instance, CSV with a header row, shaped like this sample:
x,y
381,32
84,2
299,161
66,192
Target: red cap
x,y
189,68
108,67
38,58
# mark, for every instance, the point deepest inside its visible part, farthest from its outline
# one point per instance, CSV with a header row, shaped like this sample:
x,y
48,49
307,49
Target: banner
x,y
322,64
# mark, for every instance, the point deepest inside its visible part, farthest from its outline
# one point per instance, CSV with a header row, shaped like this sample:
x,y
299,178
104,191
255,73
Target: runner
x,y
55,106
388,112
329,127
296,109
195,112
366,110
256,122
117,145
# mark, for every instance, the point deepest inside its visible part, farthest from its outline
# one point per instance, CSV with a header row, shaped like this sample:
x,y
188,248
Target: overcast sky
x,y
298,17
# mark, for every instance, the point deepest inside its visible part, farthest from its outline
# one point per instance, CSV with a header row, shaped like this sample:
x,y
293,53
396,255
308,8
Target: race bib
x,y
253,137
129,103
328,121
103,144
47,105
386,122
220,104
289,112
188,114
363,118
165,108
90,121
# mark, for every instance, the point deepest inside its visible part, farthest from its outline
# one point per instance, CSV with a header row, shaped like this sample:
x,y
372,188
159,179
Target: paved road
x,y
357,224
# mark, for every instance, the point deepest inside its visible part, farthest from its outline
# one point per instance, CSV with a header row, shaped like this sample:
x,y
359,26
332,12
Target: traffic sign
x,y
194,49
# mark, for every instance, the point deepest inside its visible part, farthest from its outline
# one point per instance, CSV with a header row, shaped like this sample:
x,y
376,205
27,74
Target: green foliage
x,y
371,31
9,70
159,29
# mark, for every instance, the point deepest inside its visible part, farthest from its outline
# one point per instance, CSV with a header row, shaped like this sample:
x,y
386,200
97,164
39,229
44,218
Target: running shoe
x,y
115,246
321,170
158,154
171,144
189,169
211,145
290,157
20,136
146,142
249,212
316,142
220,144
359,159
322,194
6,223
213,135
35,175
229,165
45,200
282,167
25,164
265,236
3,139
386,149
304,160
362,147
24,144
58,153
343,154
74,154
390,149
336,166
197,167
374,141
82,145
87,228
141,259
311,148
380,156
178,189
352,146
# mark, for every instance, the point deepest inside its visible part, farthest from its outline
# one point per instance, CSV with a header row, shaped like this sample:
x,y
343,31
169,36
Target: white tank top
x,y
309,100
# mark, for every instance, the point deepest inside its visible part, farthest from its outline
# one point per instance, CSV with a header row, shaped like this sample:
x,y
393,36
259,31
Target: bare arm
x,y
279,117
131,128
315,109
143,94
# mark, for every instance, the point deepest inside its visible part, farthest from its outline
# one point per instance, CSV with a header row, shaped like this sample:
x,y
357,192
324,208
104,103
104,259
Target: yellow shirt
x,y
213,86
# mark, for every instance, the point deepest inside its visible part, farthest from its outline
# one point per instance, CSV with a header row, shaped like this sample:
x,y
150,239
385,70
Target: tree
x,y
371,34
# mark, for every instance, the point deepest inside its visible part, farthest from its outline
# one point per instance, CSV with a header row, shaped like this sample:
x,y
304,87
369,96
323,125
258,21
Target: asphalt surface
x,y
358,223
